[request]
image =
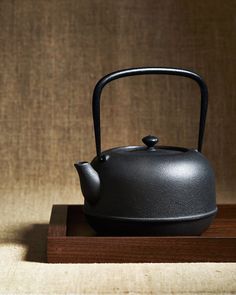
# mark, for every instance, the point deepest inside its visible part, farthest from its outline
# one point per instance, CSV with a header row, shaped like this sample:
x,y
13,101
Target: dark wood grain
x,y
58,221
79,243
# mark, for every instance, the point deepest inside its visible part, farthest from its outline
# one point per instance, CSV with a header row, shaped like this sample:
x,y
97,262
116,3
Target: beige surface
x,y
119,279
51,55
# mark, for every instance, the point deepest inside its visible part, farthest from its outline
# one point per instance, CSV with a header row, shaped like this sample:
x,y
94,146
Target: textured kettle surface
x,y
154,187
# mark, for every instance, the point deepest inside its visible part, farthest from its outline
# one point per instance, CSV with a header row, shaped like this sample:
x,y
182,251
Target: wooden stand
x,y
71,240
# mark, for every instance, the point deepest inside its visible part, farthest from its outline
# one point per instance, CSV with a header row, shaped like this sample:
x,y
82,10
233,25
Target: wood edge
x,y
58,221
155,251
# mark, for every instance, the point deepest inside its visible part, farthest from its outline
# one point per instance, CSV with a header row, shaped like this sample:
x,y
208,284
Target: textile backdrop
x,y
52,54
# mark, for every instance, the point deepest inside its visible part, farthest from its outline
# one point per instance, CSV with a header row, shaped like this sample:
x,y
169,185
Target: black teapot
x,y
148,189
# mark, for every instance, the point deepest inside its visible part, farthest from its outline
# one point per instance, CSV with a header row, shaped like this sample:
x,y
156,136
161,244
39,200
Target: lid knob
x,y
150,141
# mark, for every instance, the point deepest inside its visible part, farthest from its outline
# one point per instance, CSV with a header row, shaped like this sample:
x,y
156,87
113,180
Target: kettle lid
x,y
151,142
150,149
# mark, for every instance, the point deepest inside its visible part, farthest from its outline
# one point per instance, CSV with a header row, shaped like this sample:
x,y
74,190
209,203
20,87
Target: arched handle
x,y
148,71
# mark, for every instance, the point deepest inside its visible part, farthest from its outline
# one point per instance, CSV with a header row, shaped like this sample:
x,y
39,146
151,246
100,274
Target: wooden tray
x,y
71,240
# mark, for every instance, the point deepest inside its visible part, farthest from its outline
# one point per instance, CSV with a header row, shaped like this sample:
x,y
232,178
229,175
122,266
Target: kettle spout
x,y
89,181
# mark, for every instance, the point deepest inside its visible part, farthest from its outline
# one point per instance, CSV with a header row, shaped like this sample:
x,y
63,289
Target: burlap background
x,y
51,55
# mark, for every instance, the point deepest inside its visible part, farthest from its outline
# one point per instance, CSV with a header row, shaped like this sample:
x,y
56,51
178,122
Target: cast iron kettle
x,y
149,189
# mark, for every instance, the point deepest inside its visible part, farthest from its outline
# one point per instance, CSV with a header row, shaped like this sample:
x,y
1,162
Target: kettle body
x,y
148,189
